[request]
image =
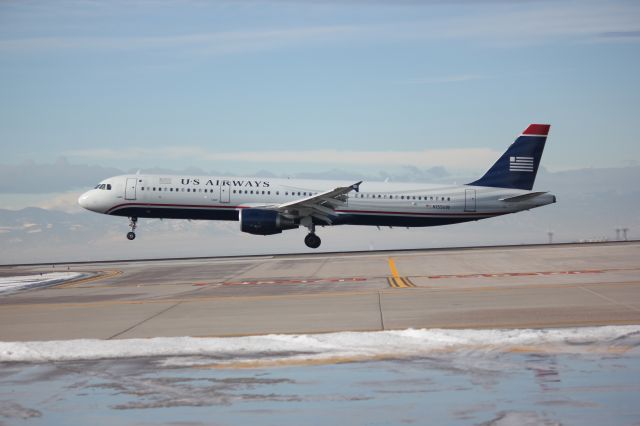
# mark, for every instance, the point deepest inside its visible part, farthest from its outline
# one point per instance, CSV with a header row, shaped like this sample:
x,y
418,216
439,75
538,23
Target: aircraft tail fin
x,y
518,166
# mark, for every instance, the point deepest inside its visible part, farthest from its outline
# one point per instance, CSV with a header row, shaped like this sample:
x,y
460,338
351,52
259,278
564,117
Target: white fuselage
x,y
376,203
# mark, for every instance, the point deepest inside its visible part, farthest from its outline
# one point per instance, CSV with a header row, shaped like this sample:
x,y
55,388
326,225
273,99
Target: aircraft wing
x,y
321,206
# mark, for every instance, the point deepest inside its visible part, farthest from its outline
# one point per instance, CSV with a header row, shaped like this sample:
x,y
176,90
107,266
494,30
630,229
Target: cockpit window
x,y
108,187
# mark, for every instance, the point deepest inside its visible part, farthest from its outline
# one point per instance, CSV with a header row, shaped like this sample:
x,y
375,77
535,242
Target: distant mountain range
x,y
592,203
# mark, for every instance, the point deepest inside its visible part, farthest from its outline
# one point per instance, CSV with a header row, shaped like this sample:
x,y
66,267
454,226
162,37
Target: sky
x,y
430,91
285,86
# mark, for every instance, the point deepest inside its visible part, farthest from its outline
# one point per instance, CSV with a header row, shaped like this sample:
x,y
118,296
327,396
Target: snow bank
x,y
318,347
11,284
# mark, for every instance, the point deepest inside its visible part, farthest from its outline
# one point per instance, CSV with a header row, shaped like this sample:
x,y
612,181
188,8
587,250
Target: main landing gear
x,y
133,222
311,240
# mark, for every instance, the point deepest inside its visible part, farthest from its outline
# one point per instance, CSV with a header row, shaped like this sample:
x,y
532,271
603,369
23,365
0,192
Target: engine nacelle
x,y
264,222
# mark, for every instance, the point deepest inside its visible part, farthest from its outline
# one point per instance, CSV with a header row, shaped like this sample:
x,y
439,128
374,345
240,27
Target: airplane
x,y
266,206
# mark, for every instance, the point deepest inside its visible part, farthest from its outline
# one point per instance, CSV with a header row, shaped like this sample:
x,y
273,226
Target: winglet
x,y
356,186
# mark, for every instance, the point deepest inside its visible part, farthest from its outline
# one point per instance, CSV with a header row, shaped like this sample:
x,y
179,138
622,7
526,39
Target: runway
x,y
497,287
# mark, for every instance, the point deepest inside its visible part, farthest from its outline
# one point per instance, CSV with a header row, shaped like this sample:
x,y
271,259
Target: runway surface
x,y
498,287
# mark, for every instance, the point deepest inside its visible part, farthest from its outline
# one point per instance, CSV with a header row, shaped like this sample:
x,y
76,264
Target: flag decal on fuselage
x,y
521,164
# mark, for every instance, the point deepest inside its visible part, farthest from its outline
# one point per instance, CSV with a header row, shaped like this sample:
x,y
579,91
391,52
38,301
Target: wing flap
x,y
321,206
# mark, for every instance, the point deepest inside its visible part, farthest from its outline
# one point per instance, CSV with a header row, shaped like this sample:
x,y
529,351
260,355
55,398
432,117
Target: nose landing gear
x,y
133,223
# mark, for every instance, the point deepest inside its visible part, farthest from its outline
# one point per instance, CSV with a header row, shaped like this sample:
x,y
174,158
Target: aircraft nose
x,y
84,200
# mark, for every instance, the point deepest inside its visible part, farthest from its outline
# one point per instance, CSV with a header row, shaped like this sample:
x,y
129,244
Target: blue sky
x,y
293,86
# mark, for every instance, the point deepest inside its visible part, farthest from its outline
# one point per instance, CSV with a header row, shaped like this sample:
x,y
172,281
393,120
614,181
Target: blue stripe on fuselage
x,y
372,219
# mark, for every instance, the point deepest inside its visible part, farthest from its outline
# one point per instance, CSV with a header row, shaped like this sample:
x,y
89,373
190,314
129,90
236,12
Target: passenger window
x,y
277,192
154,188
142,188
188,189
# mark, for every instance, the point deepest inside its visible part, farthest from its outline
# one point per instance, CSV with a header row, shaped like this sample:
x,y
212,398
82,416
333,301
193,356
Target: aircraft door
x,y
469,200
130,189
224,193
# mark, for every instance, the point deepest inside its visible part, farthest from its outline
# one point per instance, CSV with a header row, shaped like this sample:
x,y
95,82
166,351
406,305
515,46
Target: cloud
x,y
456,78
34,178
620,34
66,202
499,23
467,159
211,43
536,24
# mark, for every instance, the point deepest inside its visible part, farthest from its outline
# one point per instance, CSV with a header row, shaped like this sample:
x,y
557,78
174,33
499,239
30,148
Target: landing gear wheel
x,y
312,241
133,222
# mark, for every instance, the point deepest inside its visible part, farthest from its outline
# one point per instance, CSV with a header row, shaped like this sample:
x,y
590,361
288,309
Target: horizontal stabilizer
x,y
522,197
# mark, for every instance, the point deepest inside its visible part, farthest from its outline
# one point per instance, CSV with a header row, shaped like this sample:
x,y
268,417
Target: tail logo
x,y
521,164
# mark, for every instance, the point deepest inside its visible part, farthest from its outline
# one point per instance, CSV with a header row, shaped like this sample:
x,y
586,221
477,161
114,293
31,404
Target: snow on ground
x,y
330,346
11,284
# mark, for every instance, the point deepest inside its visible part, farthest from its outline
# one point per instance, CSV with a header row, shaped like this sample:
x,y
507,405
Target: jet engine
x,y
264,222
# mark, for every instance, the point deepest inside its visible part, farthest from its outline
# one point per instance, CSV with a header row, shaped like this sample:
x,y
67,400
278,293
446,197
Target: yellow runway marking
x,y
207,299
396,280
